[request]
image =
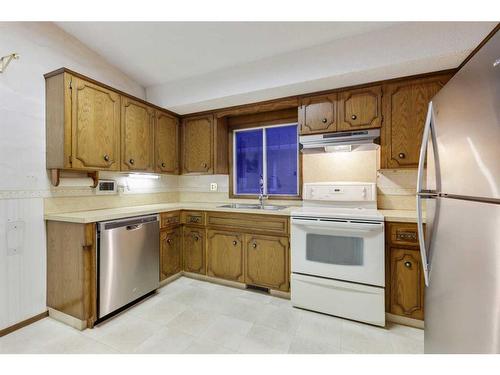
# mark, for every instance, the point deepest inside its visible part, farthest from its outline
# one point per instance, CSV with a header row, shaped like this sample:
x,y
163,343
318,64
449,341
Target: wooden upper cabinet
x,y
82,125
318,114
225,255
198,145
405,111
170,252
266,262
95,127
407,283
166,143
137,136
360,108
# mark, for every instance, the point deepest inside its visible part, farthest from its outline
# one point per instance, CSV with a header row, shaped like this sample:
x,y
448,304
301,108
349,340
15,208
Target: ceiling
x,y
153,53
194,66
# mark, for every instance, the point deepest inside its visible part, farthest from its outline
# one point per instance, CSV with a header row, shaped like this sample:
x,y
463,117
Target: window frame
x,y
233,186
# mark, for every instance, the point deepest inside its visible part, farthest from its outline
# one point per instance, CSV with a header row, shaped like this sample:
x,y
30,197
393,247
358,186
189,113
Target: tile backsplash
x,y
396,189
340,166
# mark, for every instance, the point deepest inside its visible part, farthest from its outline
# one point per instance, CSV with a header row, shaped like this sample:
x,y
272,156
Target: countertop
x,y
121,212
404,216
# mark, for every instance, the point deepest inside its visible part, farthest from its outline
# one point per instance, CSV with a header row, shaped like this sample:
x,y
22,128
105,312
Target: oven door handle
x,y
351,225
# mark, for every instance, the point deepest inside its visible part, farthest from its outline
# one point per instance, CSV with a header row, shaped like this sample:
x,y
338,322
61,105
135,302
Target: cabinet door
x,y
318,114
95,127
170,252
267,261
194,250
405,111
407,283
166,143
137,136
360,109
225,255
198,145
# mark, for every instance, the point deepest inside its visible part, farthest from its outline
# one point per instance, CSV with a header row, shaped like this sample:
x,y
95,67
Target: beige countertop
x,y
405,216
121,212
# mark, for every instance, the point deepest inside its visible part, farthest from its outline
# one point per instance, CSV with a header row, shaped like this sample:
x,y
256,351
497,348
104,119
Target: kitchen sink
x,y
247,206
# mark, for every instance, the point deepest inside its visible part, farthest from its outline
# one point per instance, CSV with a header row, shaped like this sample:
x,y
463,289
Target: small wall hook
x,y
5,61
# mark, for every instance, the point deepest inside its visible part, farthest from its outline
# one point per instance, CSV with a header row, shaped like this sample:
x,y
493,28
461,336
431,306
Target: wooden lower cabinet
x,y
225,258
193,249
170,252
71,269
407,283
266,262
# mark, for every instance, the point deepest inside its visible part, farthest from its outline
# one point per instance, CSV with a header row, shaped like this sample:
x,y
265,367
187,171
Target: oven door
x,y
348,250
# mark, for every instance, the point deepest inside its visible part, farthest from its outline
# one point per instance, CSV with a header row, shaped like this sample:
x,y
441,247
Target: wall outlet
x,y
213,186
15,237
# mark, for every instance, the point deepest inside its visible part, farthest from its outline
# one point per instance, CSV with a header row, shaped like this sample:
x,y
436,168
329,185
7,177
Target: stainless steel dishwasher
x,y
127,261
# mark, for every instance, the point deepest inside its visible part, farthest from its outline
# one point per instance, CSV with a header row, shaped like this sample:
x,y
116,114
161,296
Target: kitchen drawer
x,y
193,217
249,222
403,234
169,219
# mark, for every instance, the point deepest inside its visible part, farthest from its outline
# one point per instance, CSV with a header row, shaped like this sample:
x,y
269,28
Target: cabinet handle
x,y
254,245
401,155
324,121
235,243
169,241
196,238
131,161
204,165
106,157
163,165
406,236
408,264
354,117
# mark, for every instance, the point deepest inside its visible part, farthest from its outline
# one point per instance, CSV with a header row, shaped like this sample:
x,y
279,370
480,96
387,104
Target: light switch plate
x,y
15,237
213,186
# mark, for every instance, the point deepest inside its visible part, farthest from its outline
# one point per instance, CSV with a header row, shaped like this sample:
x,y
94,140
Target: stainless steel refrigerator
x,y
459,200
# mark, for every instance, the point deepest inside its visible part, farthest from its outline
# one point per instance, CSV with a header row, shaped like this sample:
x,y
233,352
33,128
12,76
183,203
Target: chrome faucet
x,y
262,196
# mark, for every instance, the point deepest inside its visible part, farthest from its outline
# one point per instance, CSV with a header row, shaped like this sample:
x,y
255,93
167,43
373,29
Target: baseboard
x,y
404,320
280,294
233,284
24,323
214,280
67,319
168,280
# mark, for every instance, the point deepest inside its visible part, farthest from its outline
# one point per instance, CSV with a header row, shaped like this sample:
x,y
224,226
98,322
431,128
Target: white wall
x,y
399,50
42,47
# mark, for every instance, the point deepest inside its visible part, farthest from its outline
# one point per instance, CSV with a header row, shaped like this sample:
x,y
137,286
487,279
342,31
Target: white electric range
x,y
337,250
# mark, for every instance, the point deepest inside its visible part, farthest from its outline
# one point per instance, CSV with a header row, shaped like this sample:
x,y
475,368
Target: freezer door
x,y
462,301
467,127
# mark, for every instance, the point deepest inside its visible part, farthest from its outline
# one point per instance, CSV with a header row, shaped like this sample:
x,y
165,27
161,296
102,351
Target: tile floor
x,y
191,316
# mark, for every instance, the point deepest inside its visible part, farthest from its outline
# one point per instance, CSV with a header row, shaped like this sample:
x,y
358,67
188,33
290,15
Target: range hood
x,y
358,140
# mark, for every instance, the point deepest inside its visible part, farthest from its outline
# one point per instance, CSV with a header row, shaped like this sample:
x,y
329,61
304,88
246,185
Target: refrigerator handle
x,y
421,240
420,174
423,149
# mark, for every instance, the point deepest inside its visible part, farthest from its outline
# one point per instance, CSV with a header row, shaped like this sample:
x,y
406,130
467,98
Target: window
x,y
268,153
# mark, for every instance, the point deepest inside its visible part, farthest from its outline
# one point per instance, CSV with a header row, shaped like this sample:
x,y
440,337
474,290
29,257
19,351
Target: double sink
x,y
253,206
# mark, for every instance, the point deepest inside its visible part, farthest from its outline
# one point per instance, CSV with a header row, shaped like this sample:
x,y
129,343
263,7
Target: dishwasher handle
x,y
134,227
130,223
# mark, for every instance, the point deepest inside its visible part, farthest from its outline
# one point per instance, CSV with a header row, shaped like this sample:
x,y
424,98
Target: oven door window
x,y
339,250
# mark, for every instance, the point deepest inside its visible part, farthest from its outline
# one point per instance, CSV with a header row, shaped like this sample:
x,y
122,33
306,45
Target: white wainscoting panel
x,y
23,271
